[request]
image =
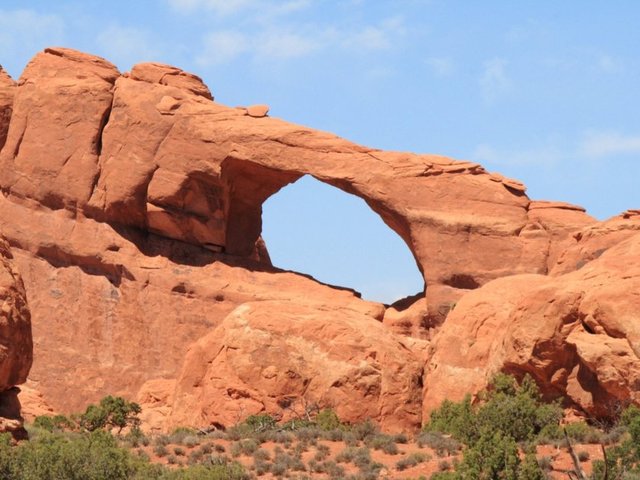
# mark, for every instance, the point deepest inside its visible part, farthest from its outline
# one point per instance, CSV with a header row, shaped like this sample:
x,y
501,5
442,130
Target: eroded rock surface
x,y
282,357
577,334
16,347
7,89
139,202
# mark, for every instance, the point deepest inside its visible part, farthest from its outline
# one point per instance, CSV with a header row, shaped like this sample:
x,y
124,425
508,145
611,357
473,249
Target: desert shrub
x,y
160,450
111,412
364,430
511,409
135,437
54,423
545,463
219,448
411,460
261,467
235,449
362,457
334,470
71,456
445,476
195,456
530,469
227,471
400,438
191,441
260,422
507,413
583,455
180,434
582,432
296,423
179,451
327,420
350,439
347,455
206,448
161,440
491,456
441,444
623,459
336,435
516,410
261,454
457,419
385,443
322,452
248,446
613,435
291,462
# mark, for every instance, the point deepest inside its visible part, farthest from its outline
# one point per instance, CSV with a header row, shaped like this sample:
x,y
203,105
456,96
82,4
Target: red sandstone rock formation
x,y
16,347
283,356
576,333
7,89
140,199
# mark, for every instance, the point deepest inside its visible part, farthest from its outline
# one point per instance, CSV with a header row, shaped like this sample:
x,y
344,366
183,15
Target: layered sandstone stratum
x,y
132,204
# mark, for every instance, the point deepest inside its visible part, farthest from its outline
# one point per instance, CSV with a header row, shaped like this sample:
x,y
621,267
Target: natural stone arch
x,y
250,185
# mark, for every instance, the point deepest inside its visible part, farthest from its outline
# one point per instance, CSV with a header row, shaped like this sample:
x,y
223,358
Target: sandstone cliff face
x,y
140,200
7,89
16,347
576,333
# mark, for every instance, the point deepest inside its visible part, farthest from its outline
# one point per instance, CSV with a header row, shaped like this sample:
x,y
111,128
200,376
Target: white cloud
x,y
127,45
536,156
284,45
220,7
378,37
263,9
592,146
604,144
294,41
221,47
24,32
441,66
494,81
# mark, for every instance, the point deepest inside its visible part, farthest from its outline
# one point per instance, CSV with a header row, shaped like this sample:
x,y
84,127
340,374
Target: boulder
x,y
576,334
287,359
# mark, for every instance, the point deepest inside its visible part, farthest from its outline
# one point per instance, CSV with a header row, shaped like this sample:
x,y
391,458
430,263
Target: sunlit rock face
x,y
133,204
16,346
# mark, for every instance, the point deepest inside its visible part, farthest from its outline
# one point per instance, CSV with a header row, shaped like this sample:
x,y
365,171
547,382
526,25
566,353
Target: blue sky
x,y
545,92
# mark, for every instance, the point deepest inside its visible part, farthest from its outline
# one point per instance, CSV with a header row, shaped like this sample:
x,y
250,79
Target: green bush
x,y
111,412
491,456
411,461
95,455
261,422
457,419
623,460
54,423
441,444
507,413
514,410
327,420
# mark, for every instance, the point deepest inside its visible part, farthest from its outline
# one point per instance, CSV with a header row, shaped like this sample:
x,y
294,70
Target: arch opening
x,y
314,228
